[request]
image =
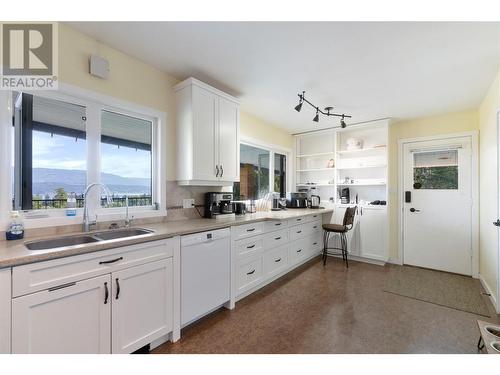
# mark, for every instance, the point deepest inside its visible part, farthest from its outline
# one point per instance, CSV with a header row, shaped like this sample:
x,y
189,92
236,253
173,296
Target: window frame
x,y
94,104
272,149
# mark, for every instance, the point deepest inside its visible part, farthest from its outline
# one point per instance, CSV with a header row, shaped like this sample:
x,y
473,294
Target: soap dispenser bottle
x,y
16,228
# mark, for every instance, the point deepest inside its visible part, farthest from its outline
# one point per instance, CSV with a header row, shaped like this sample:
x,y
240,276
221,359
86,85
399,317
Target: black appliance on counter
x,y
218,204
296,200
345,197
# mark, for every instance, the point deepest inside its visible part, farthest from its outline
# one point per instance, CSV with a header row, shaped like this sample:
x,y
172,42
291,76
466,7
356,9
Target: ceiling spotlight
x,y
316,118
298,107
342,122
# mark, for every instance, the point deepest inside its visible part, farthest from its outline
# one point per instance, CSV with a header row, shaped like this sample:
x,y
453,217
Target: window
x,y
49,152
261,171
55,151
435,170
126,158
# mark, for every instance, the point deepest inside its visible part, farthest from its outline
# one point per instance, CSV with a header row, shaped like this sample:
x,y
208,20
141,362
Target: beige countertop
x,y
14,253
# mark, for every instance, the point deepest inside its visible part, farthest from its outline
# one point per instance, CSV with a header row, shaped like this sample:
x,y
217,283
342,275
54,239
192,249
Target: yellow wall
x,y
456,122
253,127
488,254
135,81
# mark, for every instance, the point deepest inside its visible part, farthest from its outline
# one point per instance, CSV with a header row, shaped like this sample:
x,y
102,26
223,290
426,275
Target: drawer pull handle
x,y
315,243
277,224
277,260
106,293
61,286
299,219
251,272
277,238
299,231
111,261
117,289
251,246
299,250
315,227
250,230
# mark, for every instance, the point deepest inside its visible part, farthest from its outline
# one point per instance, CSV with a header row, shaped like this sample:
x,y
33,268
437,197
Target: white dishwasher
x,y
205,273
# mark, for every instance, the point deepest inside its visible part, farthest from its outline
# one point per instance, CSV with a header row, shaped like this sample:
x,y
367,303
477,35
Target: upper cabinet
x,y
208,135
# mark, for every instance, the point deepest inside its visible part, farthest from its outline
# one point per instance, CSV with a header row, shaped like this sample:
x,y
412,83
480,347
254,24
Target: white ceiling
x,y
370,70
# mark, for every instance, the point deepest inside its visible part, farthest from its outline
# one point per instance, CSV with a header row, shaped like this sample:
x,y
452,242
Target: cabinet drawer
x,y
300,231
299,250
249,273
275,261
34,277
248,230
298,220
315,217
273,225
275,239
249,247
315,226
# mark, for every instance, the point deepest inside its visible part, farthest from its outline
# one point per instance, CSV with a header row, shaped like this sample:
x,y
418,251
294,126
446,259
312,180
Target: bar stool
x,y
341,230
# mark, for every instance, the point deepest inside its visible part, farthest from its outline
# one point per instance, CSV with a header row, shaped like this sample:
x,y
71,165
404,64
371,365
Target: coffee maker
x,y
218,205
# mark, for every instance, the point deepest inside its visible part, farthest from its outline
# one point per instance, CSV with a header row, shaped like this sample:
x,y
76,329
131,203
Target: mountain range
x,y
47,180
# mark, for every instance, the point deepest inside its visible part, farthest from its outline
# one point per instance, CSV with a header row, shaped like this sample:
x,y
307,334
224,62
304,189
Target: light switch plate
x,y
187,203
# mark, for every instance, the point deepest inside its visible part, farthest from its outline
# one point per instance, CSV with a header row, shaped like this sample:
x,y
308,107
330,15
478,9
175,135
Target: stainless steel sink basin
x,y
60,242
121,233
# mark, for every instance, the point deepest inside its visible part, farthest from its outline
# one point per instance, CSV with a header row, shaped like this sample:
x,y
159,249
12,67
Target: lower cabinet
x,y
282,246
72,318
5,309
368,237
119,311
142,305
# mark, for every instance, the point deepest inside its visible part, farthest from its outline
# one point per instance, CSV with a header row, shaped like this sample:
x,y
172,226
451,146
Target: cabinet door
x,y
142,305
5,307
373,234
73,318
204,134
229,146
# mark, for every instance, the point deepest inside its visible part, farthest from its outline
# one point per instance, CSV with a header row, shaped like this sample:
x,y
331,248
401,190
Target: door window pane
x,y
254,173
280,174
49,152
435,170
126,162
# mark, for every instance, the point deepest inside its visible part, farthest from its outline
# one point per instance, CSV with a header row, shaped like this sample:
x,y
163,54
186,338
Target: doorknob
x,y
497,223
414,210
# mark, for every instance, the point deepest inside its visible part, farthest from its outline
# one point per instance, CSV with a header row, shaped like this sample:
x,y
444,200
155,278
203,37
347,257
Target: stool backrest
x,y
350,212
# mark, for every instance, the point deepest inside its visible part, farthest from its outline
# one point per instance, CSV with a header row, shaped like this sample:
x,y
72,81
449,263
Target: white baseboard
x,y
395,261
360,259
487,288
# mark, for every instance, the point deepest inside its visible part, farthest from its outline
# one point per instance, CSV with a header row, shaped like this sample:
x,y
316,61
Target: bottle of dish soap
x,y
71,204
16,228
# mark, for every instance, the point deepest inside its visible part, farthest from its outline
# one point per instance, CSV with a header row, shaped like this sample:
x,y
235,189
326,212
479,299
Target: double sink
x,y
87,238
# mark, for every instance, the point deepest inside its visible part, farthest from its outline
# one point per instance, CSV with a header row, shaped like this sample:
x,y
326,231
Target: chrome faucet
x,y
87,223
128,220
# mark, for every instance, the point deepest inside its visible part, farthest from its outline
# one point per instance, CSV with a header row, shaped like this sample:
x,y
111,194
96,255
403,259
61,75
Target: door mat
x,y
441,288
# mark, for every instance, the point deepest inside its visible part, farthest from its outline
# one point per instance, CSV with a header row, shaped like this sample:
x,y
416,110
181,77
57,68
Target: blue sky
x,y
62,152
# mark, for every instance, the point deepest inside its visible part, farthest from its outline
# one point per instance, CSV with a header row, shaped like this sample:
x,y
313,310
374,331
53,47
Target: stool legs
x,y
343,246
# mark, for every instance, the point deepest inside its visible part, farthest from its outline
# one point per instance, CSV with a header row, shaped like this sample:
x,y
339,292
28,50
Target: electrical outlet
x,y
187,203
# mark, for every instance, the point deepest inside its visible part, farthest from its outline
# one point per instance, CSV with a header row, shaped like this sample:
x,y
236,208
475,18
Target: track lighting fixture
x,y
326,112
316,118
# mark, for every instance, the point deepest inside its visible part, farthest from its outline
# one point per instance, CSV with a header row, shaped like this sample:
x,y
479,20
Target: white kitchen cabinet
x,y
373,233
142,305
207,134
5,308
72,318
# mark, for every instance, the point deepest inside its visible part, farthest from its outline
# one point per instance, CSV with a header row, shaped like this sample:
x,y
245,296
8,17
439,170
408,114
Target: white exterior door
x,y
437,204
72,319
205,134
142,305
229,149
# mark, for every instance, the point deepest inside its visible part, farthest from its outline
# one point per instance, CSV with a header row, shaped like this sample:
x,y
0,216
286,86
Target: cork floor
x,y
316,309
